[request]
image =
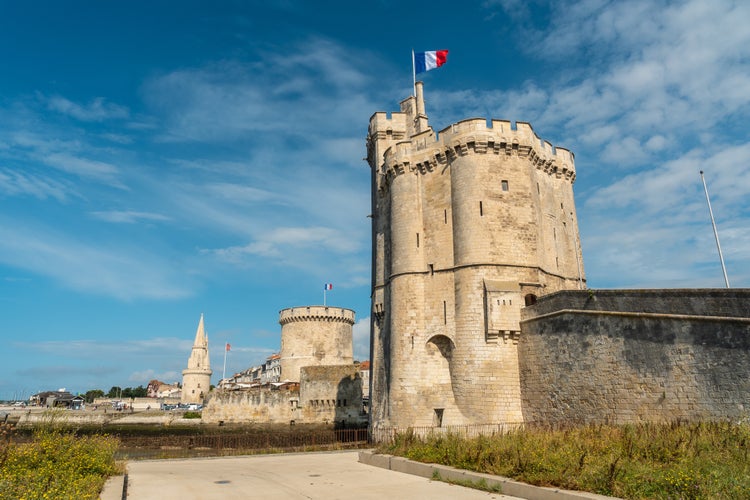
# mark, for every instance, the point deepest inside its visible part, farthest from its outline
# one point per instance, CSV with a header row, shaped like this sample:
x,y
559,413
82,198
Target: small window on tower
x,y
504,184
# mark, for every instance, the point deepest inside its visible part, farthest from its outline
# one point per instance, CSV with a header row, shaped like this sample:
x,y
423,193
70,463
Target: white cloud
x,y
128,216
120,270
285,242
14,182
289,95
95,111
85,168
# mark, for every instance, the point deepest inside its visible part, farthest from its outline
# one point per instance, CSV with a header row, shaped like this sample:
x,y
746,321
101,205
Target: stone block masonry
x,y
314,336
619,356
468,224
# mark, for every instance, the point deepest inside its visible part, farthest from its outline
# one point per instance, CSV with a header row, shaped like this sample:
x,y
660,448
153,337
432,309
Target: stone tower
x,y
314,336
469,225
196,378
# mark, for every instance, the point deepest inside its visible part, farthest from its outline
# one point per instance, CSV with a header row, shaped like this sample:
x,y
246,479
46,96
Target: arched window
x,y
530,299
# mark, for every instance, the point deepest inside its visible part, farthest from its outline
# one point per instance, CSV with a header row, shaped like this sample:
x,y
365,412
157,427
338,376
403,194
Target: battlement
x,y
427,151
382,127
316,313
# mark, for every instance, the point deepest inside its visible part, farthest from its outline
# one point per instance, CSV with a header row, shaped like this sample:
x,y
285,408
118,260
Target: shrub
x,y
57,465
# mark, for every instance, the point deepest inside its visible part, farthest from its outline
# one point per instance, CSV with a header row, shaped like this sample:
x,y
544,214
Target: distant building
x,y
196,378
57,399
271,371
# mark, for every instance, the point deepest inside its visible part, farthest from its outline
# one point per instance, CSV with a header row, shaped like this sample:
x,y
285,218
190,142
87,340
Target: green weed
x,y
675,460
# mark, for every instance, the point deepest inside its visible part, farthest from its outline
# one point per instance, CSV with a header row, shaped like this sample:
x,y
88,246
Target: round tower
x,y
314,336
196,378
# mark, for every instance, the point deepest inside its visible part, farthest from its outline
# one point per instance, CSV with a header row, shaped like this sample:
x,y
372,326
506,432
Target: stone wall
x,y
327,395
261,405
634,355
331,394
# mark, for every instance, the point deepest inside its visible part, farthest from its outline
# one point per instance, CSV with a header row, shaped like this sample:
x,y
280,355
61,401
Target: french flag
x,y
328,286
425,61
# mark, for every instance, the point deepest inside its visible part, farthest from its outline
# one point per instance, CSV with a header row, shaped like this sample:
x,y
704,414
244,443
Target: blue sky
x,y
159,160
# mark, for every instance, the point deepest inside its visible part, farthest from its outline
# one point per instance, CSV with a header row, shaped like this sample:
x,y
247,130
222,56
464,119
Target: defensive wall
x,y
325,395
621,356
331,394
257,405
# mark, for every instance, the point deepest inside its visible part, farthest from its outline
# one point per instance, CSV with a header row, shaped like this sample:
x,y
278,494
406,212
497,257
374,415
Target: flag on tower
x,y
229,347
328,286
425,61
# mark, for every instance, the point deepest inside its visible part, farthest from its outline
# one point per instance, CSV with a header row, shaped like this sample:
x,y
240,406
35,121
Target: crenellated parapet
x,y
428,151
316,313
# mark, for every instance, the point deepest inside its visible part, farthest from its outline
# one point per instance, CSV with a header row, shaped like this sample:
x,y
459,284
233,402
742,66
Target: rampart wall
x,y
633,355
327,395
260,405
331,394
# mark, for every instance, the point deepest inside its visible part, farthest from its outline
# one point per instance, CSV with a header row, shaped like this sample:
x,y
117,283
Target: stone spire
x,y
196,378
199,357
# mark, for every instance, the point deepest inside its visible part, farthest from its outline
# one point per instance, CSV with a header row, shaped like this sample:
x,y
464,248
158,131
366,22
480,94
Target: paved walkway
x,y
290,476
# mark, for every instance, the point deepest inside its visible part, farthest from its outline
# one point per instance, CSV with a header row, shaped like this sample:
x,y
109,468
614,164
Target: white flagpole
x,y
224,372
716,233
325,289
413,74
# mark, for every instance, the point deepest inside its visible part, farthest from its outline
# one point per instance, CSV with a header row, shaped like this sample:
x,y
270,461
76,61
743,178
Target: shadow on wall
x,y
350,412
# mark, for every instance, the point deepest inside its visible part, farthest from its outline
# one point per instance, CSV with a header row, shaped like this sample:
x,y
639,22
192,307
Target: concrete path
x,y
289,476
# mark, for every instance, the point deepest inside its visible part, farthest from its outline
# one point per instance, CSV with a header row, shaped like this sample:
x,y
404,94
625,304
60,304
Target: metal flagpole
x,y
413,74
577,246
716,233
224,371
325,289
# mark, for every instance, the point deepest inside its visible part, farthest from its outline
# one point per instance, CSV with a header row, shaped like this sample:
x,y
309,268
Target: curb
x,y
507,486
114,488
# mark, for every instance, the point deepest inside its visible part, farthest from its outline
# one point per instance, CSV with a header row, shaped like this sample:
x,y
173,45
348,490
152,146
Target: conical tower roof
x,y
201,340
199,359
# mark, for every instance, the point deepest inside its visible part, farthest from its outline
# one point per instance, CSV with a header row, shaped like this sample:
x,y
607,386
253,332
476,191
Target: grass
x,y
668,461
55,465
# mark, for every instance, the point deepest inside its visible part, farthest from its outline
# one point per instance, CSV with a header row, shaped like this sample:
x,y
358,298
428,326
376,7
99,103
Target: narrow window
x,y
417,240
445,313
481,211
445,215
432,269
537,188
439,417
504,185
